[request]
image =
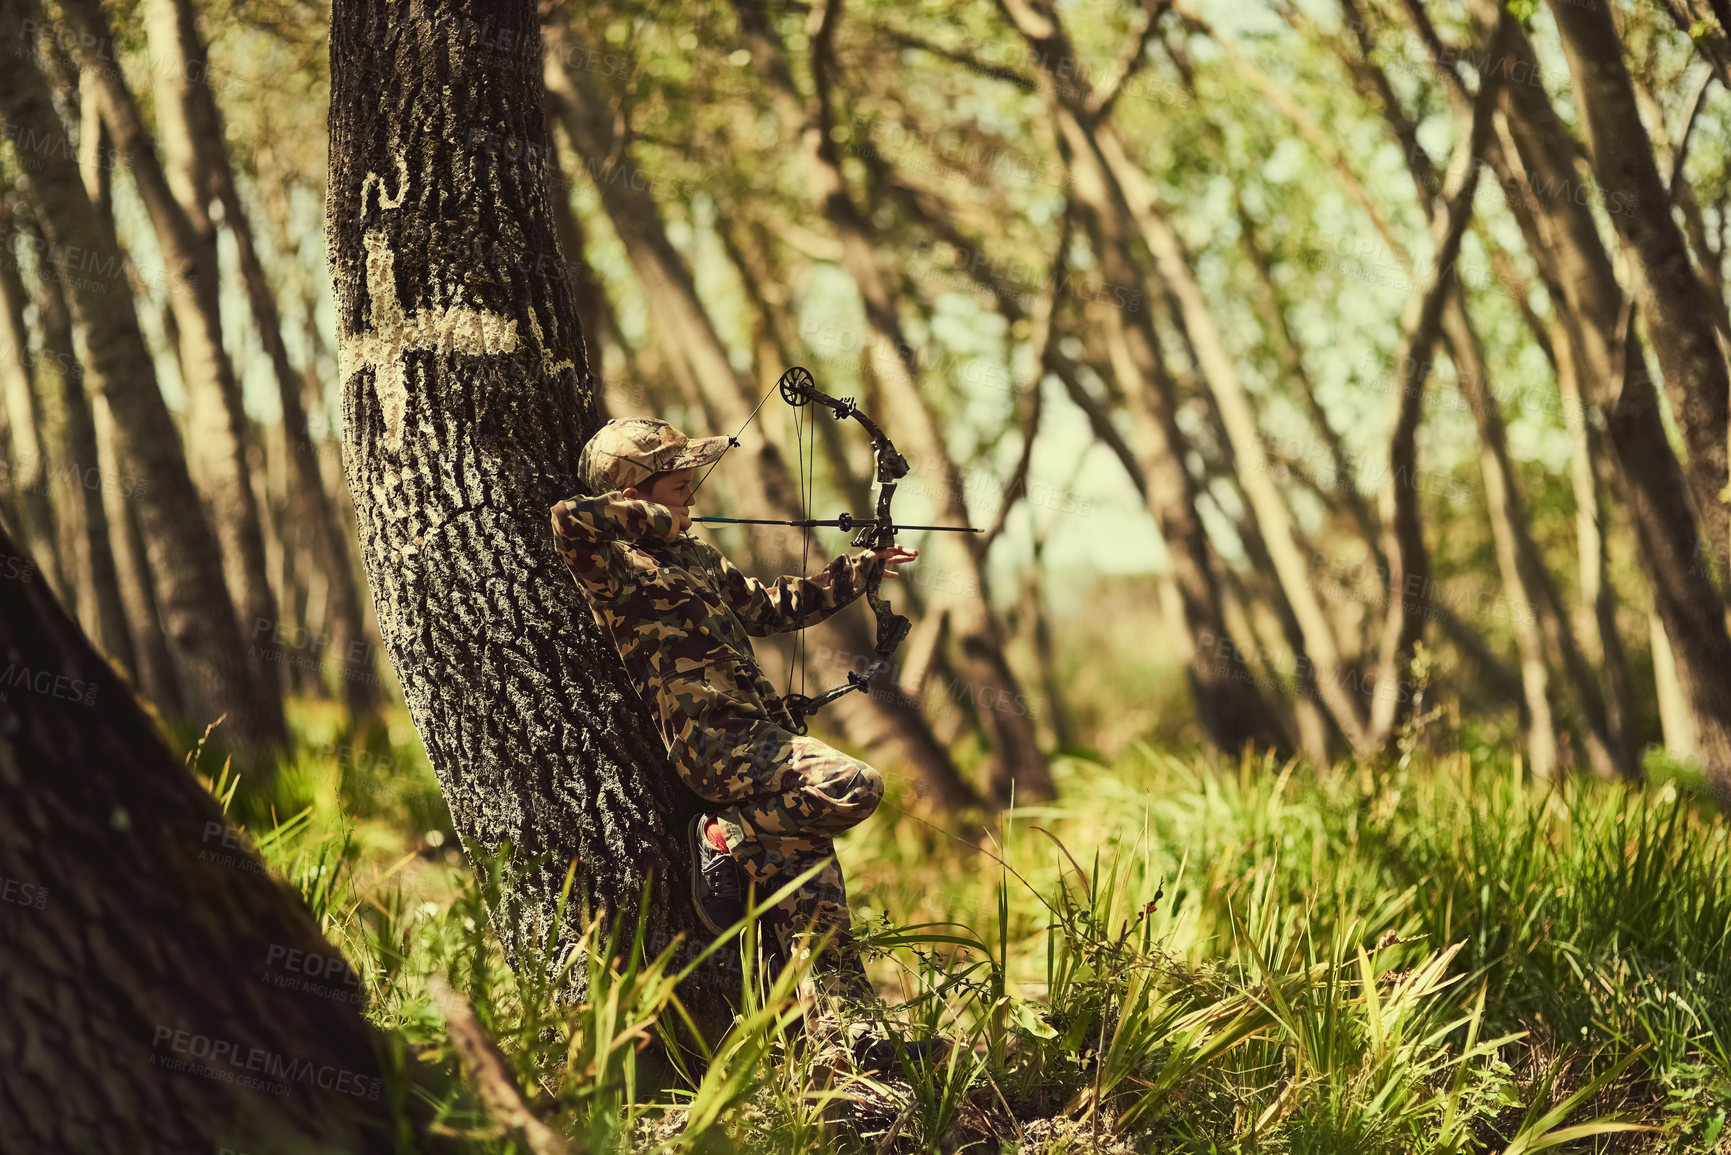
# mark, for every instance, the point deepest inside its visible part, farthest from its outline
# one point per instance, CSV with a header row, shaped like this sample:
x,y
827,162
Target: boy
x,y
682,617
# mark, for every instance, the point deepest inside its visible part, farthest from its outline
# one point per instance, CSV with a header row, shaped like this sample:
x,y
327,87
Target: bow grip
x,y
893,629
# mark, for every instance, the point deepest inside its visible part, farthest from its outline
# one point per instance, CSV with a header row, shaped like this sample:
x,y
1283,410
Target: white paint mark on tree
x,y
548,365
396,333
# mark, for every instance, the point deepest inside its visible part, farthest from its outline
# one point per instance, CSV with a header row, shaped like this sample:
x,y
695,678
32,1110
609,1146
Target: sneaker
x,y
717,883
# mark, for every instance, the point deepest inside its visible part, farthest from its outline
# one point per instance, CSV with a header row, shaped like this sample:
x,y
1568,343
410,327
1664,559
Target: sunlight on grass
x,y
1180,955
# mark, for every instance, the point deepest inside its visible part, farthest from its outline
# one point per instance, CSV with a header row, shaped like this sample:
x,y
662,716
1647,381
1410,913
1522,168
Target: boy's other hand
x,y
891,556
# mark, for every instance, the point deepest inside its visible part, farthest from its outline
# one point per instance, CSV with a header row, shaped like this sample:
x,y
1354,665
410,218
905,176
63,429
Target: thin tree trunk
x,y
1113,190
1273,308
1231,710
1537,608
141,926
1220,373
1046,652
1409,561
463,425
1594,474
198,614
175,40
1227,708
155,670
30,473
594,310
1538,617
1679,313
1502,503
1676,719
84,474
187,242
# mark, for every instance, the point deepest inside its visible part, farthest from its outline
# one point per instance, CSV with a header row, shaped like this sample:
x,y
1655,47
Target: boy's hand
x,y
891,556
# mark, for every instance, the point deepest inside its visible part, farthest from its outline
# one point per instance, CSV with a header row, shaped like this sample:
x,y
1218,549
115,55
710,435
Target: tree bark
x,y
145,933
217,423
465,410
198,614
1678,311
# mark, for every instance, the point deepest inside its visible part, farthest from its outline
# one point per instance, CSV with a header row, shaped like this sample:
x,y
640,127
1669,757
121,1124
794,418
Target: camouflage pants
x,y
786,797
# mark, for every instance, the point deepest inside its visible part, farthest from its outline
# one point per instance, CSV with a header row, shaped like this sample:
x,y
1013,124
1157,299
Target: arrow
x,y
845,521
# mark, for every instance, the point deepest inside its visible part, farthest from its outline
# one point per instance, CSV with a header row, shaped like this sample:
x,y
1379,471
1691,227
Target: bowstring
x,y
810,454
733,441
802,465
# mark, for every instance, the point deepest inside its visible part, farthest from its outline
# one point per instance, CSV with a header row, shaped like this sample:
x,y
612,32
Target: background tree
x,y
199,621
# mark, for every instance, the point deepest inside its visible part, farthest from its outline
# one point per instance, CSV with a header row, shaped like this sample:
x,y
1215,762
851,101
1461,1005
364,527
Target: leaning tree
x,y
159,991
466,402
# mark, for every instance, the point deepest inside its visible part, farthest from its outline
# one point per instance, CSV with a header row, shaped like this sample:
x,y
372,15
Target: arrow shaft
x,y
838,523
809,523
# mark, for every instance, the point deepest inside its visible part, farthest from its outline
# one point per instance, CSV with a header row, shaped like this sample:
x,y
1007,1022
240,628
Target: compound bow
x,y
874,533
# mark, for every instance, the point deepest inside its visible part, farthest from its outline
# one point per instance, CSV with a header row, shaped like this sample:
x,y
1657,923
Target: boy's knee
x,y
867,789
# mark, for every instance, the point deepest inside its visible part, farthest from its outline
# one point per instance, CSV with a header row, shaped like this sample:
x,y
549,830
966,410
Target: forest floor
x,y
1181,954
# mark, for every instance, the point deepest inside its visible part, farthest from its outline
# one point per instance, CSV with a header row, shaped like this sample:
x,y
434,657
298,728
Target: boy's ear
x,y
629,493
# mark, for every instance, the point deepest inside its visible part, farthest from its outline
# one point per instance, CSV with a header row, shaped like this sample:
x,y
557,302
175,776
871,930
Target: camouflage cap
x,y
629,450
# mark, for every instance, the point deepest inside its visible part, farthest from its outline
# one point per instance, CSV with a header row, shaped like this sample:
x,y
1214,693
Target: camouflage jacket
x,y
683,616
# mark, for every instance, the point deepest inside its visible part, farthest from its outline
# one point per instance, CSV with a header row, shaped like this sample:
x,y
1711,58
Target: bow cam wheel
x,y
797,386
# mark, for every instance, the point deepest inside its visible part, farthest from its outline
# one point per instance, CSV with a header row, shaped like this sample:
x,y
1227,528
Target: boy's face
x,y
673,491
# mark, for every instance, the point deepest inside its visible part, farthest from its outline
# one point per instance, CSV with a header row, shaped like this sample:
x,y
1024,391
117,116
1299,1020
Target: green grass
x,y
1183,955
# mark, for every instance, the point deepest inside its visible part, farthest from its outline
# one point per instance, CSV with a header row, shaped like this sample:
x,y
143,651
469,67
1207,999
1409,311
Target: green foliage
x,y
1433,956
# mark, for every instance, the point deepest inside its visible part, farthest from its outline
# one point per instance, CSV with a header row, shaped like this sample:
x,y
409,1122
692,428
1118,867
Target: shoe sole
x,y
697,879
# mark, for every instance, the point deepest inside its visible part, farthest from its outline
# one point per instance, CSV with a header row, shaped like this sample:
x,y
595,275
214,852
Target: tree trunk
x,y
147,932
1678,311
156,679
1612,368
465,411
1538,616
1676,719
175,40
1064,735
29,473
86,481
1409,561
1233,711
588,296
1594,475
1508,525
198,615
184,235
1126,189
1273,308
